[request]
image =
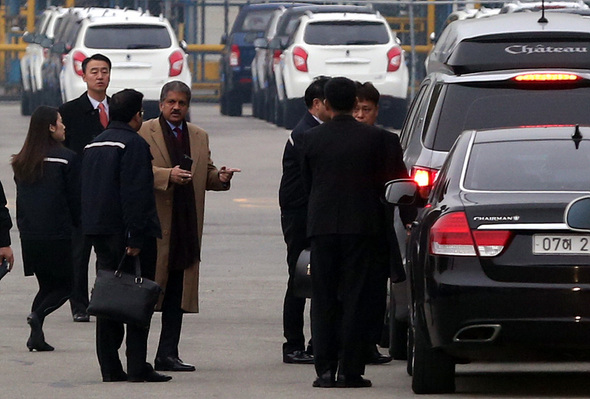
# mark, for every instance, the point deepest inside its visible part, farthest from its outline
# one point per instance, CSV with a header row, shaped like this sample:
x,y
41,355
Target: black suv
x,y
235,68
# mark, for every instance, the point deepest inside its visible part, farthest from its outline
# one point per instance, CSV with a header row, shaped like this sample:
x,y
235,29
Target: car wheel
x,y
25,103
278,112
234,105
433,371
292,112
270,105
410,349
255,104
222,104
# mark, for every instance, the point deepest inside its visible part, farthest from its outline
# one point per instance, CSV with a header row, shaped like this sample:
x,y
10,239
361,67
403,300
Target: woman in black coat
x,y
47,207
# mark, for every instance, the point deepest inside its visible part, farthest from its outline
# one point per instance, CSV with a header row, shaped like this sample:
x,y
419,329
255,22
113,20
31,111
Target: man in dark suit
x,y
85,118
346,164
293,203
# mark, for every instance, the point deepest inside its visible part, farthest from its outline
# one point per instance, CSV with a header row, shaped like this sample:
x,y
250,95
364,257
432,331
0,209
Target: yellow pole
x,y
30,15
431,22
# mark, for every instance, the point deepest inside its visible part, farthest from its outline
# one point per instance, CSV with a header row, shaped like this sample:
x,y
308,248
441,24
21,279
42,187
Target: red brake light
x,y
451,235
77,58
176,60
276,56
394,59
234,56
547,77
300,59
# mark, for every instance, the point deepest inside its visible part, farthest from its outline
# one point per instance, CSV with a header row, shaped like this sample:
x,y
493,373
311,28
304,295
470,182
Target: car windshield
x,y
127,37
335,33
533,165
255,21
468,107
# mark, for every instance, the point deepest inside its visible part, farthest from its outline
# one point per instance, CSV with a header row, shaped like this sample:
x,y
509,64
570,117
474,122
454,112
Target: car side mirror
x,y
261,42
275,43
29,37
401,192
183,45
59,48
577,214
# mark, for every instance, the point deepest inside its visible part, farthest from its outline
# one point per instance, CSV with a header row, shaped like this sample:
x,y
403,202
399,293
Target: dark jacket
x,y
5,221
49,207
292,194
82,122
345,167
118,186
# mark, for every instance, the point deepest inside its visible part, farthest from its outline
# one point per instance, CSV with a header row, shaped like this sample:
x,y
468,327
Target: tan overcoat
x,y
205,177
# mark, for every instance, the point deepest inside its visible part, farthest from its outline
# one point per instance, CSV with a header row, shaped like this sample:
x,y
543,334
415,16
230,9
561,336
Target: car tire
x,y
25,103
433,371
270,105
222,104
398,339
278,112
255,104
293,111
410,349
233,105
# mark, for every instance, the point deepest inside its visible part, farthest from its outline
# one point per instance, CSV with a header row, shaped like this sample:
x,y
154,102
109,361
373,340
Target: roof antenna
x,y
542,20
577,137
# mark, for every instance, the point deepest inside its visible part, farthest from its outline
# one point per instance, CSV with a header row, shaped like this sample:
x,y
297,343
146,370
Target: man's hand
x,y
180,176
225,174
133,251
6,253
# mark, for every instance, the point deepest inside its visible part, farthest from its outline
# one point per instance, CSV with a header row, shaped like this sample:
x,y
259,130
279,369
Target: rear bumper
x,y
471,316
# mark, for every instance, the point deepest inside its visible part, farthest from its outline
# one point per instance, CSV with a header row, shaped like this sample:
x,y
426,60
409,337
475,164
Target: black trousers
x,y
171,316
81,248
109,334
342,295
294,225
51,262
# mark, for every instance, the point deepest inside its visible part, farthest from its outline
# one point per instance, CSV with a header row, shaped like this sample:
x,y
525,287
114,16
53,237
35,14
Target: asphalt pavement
x,y
235,341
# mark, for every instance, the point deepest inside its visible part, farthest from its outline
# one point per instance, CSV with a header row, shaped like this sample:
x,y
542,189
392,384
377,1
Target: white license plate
x,y
561,244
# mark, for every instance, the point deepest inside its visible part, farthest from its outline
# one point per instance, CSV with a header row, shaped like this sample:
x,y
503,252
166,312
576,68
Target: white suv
x,y
358,46
143,49
34,56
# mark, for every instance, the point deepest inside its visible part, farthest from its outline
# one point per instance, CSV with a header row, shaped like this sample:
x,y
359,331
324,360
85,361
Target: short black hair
x,y
95,57
367,92
175,86
315,90
340,92
124,105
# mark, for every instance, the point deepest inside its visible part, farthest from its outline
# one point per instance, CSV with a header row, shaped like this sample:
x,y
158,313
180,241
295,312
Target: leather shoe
x,y
297,357
354,381
81,318
172,364
325,380
377,358
122,376
150,376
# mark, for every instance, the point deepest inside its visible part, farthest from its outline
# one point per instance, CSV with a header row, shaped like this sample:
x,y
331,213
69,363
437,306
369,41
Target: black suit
x,y
82,123
345,167
293,203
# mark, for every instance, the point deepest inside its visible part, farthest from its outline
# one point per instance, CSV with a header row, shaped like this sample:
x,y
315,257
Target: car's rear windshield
x,y
466,107
254,21
535,165
334,33
127,37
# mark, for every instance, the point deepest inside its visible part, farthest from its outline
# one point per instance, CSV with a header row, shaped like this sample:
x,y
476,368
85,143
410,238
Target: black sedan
x,y
495,272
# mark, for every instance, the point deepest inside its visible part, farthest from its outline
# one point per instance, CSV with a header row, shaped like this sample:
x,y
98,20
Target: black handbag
x,y
124,297
3,268
302,277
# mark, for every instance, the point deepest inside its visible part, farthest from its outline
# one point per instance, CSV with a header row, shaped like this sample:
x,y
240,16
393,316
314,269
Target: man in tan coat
x,y
183,171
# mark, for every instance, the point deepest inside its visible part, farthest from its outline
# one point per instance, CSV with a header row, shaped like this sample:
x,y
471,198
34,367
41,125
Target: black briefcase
x,y
302,278
124,297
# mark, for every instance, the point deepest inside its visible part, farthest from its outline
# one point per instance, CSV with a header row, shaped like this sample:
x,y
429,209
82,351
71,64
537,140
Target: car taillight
x,y
176,60
276,56
394,59
450,235
547,77
77,58
424,178
234,56
300,59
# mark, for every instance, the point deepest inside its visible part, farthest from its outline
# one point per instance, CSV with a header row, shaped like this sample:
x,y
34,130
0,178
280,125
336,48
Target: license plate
x,y
561,244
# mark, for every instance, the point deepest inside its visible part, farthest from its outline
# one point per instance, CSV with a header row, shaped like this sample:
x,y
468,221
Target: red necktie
x,y
178,132
104,118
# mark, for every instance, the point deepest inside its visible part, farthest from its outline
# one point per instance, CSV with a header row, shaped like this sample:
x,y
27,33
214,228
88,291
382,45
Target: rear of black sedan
x,y
495,272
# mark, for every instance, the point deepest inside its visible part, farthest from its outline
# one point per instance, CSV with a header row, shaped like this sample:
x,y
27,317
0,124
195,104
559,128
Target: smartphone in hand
x,y
186,163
